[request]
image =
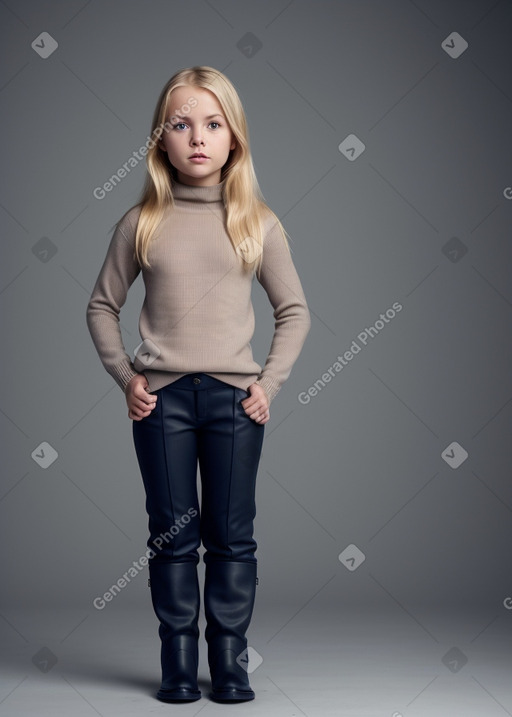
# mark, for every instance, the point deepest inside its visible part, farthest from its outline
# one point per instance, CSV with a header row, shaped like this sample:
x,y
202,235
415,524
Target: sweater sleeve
x,y
119,271
279,278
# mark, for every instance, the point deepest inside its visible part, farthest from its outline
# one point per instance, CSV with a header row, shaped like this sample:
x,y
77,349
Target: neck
x,y
192,193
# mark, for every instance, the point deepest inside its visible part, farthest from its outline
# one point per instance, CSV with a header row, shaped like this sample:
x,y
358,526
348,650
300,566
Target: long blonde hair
x,y
242,197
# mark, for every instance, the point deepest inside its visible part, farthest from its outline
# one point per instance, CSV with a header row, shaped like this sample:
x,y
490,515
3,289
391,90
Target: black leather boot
x,y
175,597
229,594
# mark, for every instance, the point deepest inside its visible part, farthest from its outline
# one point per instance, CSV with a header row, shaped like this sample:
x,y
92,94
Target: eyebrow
x,y
209,116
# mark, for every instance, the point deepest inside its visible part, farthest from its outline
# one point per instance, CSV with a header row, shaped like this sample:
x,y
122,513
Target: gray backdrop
x,y
381,136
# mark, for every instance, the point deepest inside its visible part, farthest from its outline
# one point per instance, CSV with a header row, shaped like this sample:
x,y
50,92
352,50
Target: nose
x,y
197,138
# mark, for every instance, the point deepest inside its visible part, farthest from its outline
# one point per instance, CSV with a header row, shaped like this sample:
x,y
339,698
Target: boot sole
x,y
232,696
178,696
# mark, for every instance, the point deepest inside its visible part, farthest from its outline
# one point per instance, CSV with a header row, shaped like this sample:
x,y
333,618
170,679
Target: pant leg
x,y
229,449
166,448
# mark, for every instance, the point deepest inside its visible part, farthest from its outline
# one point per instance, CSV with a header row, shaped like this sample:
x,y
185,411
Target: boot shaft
x,y
229,595
176,598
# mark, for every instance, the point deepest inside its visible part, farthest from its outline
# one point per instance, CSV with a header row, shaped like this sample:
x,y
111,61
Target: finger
x,y
261,409
141,393
253,413
250,401
138,416
142,403
258,415
140,409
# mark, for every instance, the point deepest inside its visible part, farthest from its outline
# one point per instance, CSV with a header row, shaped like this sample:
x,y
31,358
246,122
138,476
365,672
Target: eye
x,y
175,126
217,123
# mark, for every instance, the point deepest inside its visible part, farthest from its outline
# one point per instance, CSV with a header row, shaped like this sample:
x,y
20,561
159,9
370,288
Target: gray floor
x,y
319,662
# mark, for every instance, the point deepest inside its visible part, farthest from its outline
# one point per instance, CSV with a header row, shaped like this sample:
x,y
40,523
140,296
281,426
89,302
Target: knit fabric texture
x,y
197,314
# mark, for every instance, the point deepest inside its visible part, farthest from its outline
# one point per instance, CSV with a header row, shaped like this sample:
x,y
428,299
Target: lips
x,y
199,155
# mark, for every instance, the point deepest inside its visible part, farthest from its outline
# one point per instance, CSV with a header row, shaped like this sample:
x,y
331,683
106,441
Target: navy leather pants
x,y
199,419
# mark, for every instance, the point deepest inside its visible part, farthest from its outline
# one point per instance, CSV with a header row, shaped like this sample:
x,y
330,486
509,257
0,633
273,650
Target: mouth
x,y
198,155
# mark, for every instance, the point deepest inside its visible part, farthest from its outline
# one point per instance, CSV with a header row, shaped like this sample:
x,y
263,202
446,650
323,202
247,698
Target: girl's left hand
x,y
257,404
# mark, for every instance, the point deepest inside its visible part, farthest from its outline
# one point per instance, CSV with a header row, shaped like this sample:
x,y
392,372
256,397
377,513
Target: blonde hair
x,y
242,197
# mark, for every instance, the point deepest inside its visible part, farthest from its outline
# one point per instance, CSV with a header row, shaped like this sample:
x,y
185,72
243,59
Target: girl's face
x,y
198,127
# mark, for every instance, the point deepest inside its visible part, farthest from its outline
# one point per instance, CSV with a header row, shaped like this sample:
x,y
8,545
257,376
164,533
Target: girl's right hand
x,y
140,402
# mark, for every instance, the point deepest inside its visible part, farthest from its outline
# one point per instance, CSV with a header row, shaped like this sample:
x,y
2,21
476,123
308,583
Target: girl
x,y
199,234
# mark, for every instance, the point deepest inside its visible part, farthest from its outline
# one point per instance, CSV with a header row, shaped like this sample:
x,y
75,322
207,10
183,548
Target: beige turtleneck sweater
x,y
197,315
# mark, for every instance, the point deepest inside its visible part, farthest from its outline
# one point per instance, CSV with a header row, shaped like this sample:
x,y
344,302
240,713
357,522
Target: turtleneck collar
x,y
202,195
